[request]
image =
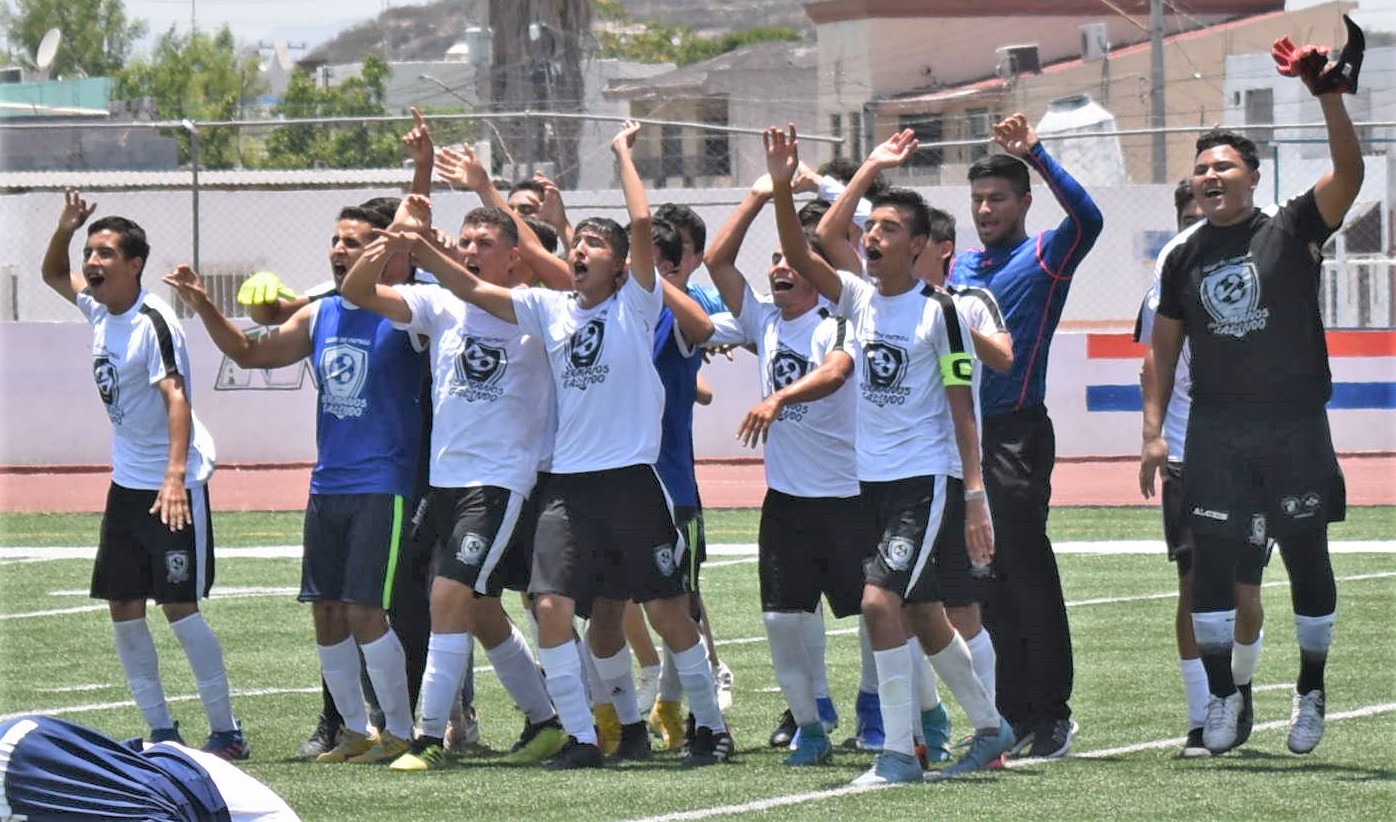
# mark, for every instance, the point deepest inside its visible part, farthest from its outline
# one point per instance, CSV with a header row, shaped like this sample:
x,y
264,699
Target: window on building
x,y
855,134
670,152
717,152
929,129
978,126
1260,111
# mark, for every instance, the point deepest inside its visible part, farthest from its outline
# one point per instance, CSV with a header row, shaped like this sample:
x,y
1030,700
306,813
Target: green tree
x,y
682,45
97,35
363,145
196,76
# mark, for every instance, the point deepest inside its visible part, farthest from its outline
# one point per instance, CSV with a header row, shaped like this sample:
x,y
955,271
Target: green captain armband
x,y
957,369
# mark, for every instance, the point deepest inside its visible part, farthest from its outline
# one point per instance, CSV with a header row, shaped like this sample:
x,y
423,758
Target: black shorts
x,y
474,537
353,546
140,558
688,521
811,547
1176,532
1281,468
606,534
914,518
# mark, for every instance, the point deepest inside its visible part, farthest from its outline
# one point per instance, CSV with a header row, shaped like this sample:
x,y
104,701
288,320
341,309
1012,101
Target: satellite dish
x,y
48,50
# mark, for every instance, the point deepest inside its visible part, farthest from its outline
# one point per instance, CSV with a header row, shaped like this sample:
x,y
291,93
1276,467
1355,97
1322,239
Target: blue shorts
x,y
353,543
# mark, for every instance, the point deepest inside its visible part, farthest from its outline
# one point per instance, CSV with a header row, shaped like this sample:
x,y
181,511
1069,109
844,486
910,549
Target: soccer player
x,y
490,432
157,530
605,533
917,456
57,770
1245,652
1030,277
368,441
1241,289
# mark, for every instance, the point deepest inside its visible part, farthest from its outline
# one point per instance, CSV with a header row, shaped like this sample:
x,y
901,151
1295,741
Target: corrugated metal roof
x,y
118,180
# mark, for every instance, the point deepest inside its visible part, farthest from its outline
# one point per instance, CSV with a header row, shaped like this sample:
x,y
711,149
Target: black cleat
x,y
1245,720
785,730
634,744
709,748
575,756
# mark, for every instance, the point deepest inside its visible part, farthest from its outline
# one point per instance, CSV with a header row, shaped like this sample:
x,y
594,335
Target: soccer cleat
x,y
1245,720
828,713
229,745
891,768
935,726
538,742
462,731
647,689
666,721
1193,747
1219,728
351,743
985,752
608,727
385,748
814,747
723,681
869,735
427,754
575,756
1052,739
633,745
785,730
321,740
170,734
1022,736
709,747
1306,722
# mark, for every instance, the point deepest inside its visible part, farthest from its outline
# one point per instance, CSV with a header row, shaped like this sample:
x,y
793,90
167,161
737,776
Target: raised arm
x,y
816,385
832,232
57,269
693,322
782,161
1336,191
1165,345
1067,245
456,277
283,345
721,256
637,204
554,211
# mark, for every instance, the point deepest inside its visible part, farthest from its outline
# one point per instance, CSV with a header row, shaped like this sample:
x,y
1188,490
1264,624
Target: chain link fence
x,y
234,198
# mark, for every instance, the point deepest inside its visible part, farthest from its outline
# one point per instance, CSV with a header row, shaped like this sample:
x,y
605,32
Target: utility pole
x,y
1157,116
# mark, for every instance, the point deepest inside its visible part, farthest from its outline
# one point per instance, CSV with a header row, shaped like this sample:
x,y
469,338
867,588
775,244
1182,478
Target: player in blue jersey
x,y
368,438
52,770
1030,277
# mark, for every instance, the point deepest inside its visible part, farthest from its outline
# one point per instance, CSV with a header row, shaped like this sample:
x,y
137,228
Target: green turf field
x,y
56,656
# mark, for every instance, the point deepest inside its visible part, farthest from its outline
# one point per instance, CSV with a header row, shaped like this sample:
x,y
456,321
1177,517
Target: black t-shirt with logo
x,y
1247,295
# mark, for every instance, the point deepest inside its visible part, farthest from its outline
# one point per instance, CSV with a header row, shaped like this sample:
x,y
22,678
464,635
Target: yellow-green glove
x,y
264,288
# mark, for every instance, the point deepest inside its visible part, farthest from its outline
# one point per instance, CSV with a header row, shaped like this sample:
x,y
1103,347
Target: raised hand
x,y
462,167
189,287
388,241
552,211
413,215
263,288
896,150
625,138
76,210
1310,63
782,152
1015,135
806,179
418,140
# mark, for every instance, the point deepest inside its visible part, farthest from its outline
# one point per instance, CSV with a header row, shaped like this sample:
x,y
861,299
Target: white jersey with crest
x,y
904,423
809,449
131,353
609,397
491,393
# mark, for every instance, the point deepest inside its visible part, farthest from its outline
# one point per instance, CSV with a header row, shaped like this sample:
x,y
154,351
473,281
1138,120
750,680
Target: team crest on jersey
x,y
472,549
664,559
108,386
1258,534
583,353
176,567
884,370
478,370
1301,506
1231,295
896,552
343,374
788,367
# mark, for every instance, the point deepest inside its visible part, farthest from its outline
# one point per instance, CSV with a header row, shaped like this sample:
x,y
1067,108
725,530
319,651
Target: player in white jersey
x,y
157,531
605,531
918,460
490,430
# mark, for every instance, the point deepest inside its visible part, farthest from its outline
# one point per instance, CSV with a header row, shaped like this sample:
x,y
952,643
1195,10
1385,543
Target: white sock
x,y
206,659
697,677
894,672
1195,688
1214,630
339,664
1315,633
927,693
564,670
615,672
954,665
816,644
670,688
136,650
518,673
447,656
981,650
786,634
387,670
1245,659
868,676
597,692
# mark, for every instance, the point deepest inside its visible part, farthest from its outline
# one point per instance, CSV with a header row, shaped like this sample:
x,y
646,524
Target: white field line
x,y
1101,753
127,703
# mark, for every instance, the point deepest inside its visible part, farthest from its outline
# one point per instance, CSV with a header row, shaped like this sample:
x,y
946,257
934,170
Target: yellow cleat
x,y
667,722
430,758
537,743
608,728
350,744
385,748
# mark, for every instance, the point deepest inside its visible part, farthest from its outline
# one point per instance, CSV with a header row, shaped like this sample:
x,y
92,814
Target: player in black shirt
x,y
1243,288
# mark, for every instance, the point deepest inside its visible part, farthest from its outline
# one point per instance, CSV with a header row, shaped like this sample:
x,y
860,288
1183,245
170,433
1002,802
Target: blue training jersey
x,y
369,421
679,374
55,770
1030,280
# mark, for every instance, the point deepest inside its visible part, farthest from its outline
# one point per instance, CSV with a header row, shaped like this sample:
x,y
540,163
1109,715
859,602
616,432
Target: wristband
x,y
970,496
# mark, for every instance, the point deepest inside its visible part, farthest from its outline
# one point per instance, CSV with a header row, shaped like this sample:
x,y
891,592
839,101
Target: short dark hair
x,y
610,230
528,185
547,235
685,219
911,204
667,241
812,212
130,237
1182,195
1244,145
493,216
372,216
386,205
1006,166
843,169
942,226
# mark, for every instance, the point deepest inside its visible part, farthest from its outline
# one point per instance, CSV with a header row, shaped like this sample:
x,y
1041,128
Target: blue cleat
x,y
890,768
870,735
828,714
814,747
985,751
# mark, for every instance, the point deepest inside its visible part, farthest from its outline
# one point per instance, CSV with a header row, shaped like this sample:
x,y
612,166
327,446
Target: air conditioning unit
x,y
11,74
1095,42
1015,60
